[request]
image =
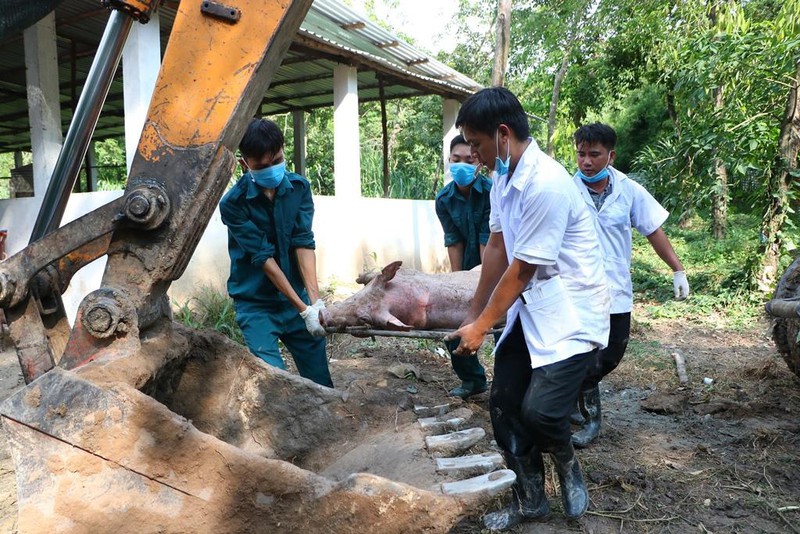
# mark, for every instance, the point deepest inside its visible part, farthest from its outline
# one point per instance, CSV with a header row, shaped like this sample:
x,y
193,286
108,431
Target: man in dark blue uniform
x,y
273,278
463,210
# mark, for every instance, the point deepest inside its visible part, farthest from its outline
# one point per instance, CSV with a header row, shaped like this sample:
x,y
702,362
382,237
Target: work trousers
x,y
530,408
264,323
610,357
467,368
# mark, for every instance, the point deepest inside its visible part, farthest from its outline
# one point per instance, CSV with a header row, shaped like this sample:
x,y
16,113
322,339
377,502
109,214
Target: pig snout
x,y
341,316
325,318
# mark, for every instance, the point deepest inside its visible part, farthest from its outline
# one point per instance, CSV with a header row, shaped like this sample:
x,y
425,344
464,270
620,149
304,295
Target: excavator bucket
x,y
187,435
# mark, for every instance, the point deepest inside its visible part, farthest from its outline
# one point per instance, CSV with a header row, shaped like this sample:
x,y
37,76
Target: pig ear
x,y
384,319
390,270
393,323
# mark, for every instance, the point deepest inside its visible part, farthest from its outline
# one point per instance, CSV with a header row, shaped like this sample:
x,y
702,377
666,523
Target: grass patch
x,y
722,295
210,309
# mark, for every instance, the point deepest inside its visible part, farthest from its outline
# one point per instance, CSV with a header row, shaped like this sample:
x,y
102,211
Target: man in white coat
x,y
543,265
618,204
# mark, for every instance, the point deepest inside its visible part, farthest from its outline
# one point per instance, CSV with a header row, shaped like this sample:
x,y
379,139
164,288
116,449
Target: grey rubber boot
x,y
574,494
594,416
529,501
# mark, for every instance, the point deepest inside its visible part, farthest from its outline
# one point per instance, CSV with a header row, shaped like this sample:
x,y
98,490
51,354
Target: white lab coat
x,y
628,206
544,222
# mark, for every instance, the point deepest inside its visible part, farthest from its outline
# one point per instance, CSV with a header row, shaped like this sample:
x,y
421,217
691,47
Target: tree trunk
x,y
384,138
551,117
719,212
778,188
501,42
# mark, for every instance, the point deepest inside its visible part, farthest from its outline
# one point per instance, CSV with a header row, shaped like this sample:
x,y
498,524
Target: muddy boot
x,y
591,428
577,418
468,389
529,501
573,490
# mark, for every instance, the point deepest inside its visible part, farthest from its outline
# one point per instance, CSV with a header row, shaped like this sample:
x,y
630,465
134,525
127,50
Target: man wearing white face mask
x,y
463,209
273,278
618,205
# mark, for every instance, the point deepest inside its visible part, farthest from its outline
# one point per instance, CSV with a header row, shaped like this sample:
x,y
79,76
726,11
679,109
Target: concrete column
x,y
450,109
141,61
299,134
44,109
91,168
346,141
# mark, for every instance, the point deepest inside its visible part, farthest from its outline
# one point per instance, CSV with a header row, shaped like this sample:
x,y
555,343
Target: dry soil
x,y
716,454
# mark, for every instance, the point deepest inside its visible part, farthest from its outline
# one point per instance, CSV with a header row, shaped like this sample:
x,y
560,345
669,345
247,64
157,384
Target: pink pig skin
x,y
405,299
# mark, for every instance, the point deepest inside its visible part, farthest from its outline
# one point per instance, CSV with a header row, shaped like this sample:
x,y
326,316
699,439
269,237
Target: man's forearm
x,y
660,243
455,253
307,261
279,280
494,265
511,284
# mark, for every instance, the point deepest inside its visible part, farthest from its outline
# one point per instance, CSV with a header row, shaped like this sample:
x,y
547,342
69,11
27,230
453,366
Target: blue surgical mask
x,y
593,179
269,177
501,166
463,174
597,177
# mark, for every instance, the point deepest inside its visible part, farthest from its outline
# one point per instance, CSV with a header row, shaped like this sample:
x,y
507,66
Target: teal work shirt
x,y
260,228
465,219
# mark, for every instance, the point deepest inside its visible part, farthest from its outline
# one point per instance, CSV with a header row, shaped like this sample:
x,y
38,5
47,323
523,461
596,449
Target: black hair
x,y
487,109
458,140
261,137
595,133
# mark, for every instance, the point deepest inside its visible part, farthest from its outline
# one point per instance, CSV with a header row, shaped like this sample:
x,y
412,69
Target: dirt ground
x,y
716,454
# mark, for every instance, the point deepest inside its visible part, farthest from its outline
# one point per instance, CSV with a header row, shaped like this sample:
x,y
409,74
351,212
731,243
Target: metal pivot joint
x,y
147,205
106,312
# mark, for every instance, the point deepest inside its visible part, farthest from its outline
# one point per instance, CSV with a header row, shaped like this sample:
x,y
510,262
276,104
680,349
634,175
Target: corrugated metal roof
x,y
330,34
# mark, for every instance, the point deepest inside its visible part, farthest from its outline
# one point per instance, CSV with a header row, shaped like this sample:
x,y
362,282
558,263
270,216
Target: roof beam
x,y
308,45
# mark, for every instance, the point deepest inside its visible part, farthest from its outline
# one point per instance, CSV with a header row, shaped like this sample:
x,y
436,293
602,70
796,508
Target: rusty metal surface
x,y
17,272
30,339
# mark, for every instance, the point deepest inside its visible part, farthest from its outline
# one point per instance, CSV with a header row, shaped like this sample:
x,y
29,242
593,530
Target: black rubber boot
x,y
573,490
594,416
468,389
577,418
529,501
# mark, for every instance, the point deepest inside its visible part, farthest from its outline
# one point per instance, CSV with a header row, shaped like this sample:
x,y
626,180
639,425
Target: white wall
x,y
351,235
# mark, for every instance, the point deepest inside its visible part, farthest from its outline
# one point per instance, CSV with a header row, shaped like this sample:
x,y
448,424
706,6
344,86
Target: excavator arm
x,y
217,66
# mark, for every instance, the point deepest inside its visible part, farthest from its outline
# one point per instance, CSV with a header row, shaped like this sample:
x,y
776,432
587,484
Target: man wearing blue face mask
x,y
462,206
273,278
618,204
543,269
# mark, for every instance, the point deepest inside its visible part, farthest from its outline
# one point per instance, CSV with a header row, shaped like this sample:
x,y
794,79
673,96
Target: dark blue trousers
x,y
264,323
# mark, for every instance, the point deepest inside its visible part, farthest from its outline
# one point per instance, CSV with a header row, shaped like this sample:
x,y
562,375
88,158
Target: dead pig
x,y
405,299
